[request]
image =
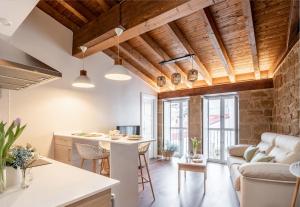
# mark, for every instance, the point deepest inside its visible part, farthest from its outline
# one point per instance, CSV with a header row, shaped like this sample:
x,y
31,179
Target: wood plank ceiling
x,y
233,40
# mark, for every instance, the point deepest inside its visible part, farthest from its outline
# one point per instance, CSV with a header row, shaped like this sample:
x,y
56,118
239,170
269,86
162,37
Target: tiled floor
x,y
219,192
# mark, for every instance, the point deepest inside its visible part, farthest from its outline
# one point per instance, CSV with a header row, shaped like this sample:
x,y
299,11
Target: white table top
x,y
295,169
57,184
104,138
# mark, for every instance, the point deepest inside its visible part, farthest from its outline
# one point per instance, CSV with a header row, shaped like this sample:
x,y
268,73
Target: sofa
x,y
265,184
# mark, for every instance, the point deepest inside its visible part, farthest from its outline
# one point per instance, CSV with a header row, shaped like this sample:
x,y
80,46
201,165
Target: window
x,y
176,125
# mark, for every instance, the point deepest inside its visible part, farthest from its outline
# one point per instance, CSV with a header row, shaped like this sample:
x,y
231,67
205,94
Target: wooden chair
x,y
143,148
94,153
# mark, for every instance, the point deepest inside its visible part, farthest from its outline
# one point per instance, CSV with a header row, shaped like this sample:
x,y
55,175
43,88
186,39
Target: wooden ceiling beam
x,y
160,54
217,42
77,5
44,6
72,10
147,15
139,59
246,4
103,5
134,70
223,88
292,35
293,25
180,39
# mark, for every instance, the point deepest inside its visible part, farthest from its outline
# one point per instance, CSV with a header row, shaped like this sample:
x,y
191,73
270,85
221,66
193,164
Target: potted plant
x,y
169,150
7,138
21,158
195,144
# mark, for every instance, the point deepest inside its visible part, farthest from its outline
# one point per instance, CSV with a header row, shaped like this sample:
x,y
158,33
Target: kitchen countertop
x,y
57,184
104,138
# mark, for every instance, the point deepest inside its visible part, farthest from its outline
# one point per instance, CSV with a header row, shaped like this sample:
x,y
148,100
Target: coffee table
x,y
187,164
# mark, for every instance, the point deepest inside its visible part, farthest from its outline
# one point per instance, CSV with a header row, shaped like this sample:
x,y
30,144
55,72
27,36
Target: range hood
x,y
19,70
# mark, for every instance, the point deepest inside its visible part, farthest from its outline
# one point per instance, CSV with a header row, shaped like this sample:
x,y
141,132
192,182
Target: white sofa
x,y
268,184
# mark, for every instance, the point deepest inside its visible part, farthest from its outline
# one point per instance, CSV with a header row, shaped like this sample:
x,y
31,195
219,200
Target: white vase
x,y
13,177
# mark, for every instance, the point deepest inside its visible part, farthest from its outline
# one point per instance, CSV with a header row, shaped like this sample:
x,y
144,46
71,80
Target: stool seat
x,y
94,153
142,149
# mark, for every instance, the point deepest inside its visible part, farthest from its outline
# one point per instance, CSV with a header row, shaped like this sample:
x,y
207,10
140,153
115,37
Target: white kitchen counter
x,y
123,164
104,138
57,184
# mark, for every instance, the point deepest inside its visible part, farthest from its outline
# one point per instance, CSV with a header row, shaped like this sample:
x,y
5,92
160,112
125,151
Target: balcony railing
x,y
216,145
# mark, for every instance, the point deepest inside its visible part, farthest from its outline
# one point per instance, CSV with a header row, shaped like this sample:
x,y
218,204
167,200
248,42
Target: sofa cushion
x,y
286,150
235,160
237,150
249,153
262,157
267,171
235,176
267,142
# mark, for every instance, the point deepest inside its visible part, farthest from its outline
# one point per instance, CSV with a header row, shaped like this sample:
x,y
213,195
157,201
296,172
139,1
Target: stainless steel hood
x,y
19,70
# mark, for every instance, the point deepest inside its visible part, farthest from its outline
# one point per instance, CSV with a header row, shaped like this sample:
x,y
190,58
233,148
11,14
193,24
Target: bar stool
x,y
105,165
91,152
143,148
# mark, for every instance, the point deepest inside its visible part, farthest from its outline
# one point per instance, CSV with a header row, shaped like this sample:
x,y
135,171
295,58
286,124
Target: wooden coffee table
x,y
186,164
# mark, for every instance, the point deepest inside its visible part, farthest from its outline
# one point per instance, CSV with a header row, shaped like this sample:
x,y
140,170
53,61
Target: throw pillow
x,y
249,153
262,157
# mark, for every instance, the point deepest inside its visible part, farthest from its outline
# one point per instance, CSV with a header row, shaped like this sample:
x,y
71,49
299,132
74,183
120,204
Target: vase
x,y
195,151
2,175
13,177
26,177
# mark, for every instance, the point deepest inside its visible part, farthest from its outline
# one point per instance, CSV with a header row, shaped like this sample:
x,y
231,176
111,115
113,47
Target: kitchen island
x,y
58,184
123,162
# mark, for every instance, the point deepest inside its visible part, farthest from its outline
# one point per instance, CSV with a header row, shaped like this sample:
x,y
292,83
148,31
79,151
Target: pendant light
x,y
193,73
83,81
176,78
161,81
118,71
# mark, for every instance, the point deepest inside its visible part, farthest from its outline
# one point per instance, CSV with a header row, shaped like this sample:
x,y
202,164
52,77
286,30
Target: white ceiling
x,y
14,11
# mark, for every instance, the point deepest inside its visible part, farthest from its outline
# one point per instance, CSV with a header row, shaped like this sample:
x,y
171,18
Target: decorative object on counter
x,y
134,137
22,157
195,144
7,138
295,170
169,151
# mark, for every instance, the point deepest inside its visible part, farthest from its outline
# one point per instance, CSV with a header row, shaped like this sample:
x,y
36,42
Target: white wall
x,y
4,105
57,106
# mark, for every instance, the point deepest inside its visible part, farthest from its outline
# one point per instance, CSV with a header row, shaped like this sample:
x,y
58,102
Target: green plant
x,y
21,157
171,147
195,142
7,138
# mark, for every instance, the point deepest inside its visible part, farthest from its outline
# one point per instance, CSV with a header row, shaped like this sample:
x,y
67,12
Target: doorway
x,y
220,126
148,121
176,125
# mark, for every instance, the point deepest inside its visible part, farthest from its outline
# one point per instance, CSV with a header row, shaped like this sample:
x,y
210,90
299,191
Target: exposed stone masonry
x,y
286,110
255,114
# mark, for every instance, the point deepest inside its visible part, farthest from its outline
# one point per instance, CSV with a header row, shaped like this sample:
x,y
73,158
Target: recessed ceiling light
x,y
5,22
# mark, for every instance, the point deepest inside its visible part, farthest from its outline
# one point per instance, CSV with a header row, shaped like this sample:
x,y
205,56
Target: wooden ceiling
x,y
233,40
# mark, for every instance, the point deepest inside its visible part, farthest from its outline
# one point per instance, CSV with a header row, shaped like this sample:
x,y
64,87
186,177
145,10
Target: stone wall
x,y
286,110
255,114
160,125
195,118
